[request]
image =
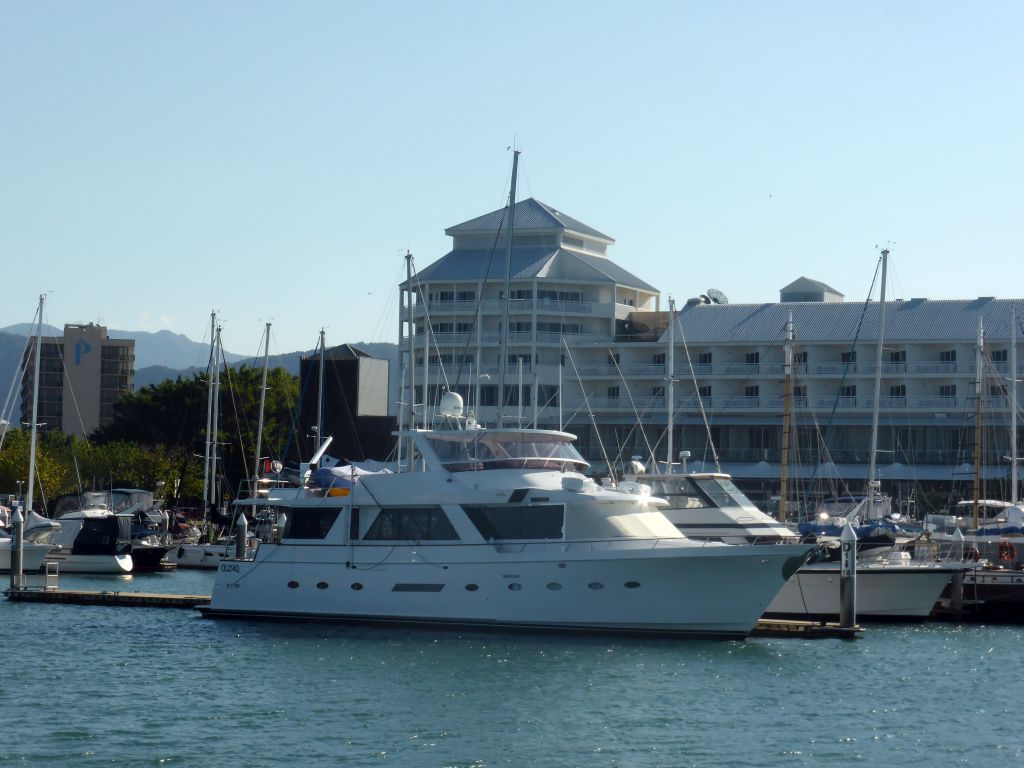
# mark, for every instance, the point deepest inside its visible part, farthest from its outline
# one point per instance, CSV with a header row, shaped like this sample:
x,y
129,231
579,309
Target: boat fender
x,y
1007,552
181,552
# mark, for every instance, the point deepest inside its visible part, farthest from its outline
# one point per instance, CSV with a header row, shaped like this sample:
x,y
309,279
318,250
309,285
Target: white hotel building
x,y
588,346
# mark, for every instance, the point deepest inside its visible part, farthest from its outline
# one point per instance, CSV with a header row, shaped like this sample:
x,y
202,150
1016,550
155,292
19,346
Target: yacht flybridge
x,y
494,528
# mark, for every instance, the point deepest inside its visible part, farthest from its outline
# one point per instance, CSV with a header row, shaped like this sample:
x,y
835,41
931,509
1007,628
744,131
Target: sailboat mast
x,y
1013,404
410,361
872,482
263,402
670,389
35,409
320,392
209,409
508,288
216,420
787,411
978,359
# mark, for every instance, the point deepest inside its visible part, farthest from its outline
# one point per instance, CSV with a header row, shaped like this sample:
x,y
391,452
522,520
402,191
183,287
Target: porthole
x,y
293,585
356,586
596,585
321,585
631,584
515,586
472,587
554,586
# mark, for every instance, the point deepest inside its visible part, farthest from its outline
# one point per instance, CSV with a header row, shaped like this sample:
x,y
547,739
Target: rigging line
x,y
849,362
632,404
593,420
479,302
19,375
431,337
696,389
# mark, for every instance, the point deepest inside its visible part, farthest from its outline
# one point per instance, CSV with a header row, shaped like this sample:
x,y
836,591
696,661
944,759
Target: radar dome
x,y
451,405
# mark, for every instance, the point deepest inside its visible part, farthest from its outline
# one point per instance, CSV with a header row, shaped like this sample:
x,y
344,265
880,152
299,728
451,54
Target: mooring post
x,y
956,584
241,536
848,578
17,549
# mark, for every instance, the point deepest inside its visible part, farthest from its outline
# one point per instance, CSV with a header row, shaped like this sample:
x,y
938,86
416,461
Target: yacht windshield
x,y
723,491
697,492
462,452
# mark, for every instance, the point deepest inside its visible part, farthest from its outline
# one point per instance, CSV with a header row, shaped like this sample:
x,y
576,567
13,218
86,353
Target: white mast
x,y
410,359
216,420
320,389
787,411
35,410
508,288
1013,404
670,390
263,401
978,362
209,410
872,481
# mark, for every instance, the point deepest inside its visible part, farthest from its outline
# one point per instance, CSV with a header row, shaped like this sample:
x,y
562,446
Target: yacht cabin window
x,y
308,522
517,522
462,452
411,524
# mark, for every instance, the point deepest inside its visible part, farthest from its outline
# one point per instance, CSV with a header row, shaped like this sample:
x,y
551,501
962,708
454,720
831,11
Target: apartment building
x,y
82,375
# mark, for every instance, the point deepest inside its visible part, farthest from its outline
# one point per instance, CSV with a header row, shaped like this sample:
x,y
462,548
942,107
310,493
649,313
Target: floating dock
x,y
807,630
128,599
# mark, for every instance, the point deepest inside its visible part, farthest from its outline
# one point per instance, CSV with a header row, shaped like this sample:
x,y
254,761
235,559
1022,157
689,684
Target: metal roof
x,y
546,263
916,320
530,215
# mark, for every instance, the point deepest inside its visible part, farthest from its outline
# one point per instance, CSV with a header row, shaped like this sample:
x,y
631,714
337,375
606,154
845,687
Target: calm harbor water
x,y
90,686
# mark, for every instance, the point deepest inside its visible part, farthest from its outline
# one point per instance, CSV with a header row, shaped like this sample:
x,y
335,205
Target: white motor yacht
x,y
495,528
708,505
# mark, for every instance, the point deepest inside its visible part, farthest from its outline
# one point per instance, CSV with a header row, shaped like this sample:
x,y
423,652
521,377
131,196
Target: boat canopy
x,y
480,449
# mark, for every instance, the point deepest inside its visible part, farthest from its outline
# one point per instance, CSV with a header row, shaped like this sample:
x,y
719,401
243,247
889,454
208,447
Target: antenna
x,y
717,296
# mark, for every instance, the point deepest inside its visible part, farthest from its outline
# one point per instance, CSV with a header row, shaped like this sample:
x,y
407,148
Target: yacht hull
x,y
642,587
67,562
897,593
32,556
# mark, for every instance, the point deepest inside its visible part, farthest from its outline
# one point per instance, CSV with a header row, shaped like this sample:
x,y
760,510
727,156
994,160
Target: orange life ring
x,y
1007,552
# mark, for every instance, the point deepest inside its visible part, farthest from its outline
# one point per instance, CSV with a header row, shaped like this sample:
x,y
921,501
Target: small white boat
x,y
92,541
902,590
37,539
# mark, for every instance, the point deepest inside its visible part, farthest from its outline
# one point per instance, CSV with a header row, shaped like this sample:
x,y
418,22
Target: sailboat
x,y
192,552
35,544
889,585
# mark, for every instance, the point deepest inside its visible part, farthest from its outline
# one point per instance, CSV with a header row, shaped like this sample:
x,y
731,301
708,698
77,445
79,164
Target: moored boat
x,y
499,528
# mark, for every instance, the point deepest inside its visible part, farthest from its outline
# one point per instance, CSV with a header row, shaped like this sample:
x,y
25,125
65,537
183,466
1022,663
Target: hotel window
x,y
521,294
848,391
704,358
658,359
898,390
657,391
800,392
800,358
613,358
947,390
613,392
753,358
898,356
752,391
466,296
704,391
947,356
848,357
999,356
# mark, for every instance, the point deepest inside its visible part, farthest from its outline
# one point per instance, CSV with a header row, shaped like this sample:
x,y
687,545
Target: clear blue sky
x,y
274,160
